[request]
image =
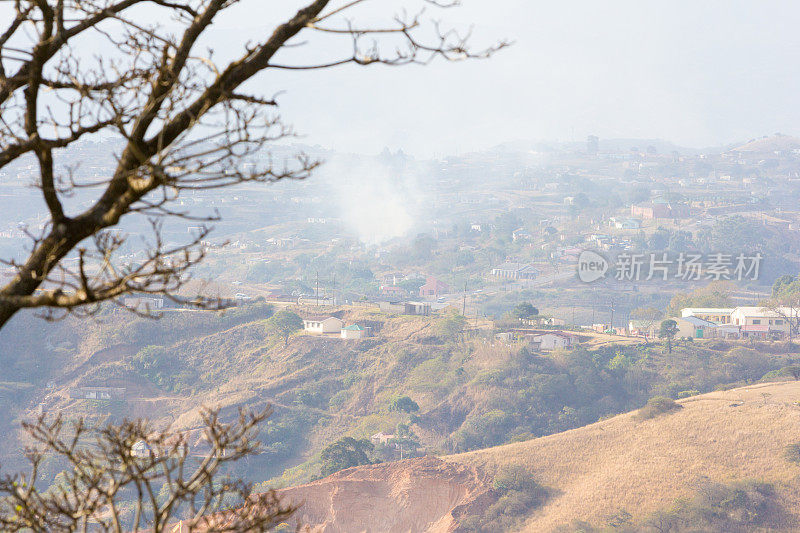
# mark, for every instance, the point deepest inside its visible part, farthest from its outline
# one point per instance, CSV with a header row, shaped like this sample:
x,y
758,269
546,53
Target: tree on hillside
x,y
412,285
404,404
451,326
345,453
668,330
284,323
647,318
525,310
785,302
179,121
715,294
780,284
132,477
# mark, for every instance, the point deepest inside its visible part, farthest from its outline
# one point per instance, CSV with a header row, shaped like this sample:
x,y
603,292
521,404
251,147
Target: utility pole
x,y
464,306
334,289
317,290
612,316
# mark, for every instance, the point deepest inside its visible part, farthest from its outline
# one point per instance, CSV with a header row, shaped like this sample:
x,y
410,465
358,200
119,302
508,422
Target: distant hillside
x,y
469,390
769,144
605,145
620,474
642,467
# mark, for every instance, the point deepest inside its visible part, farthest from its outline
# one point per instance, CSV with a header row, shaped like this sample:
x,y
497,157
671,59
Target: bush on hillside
x,y
657,406
738,507
791,370
403,404
792,453
742,506
518,494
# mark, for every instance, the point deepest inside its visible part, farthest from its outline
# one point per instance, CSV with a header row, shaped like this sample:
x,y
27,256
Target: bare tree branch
x,y
132,477
181,121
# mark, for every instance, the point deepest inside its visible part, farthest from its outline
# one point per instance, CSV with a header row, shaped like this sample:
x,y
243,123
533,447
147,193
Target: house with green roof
x,y
353,331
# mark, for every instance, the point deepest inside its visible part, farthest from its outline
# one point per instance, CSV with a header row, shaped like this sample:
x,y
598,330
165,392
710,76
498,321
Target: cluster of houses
x,y
759,323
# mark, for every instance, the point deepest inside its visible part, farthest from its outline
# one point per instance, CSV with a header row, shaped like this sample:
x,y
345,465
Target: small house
x,y
696,328
393,290
382,438
330,324
406,308
353,331
142,450
514,271
628,223
554,340
717,315
433,288
643,328
761,322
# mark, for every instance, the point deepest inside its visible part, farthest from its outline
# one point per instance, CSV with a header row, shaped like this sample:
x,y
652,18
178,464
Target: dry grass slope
x,y
643,466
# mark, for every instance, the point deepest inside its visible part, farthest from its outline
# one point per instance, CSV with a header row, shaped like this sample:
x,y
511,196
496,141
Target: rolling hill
x,y
620,467
642,466
472,392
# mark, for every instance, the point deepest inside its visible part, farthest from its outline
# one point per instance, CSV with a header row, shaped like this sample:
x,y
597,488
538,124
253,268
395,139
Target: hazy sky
x,y
694,72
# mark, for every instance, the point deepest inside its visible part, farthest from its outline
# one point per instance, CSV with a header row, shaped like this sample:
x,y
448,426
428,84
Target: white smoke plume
x,y
378,201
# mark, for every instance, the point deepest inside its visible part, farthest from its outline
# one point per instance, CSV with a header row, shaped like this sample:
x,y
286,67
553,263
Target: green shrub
x,y
518,495
741,506
403,404
656,406
792,453
791,370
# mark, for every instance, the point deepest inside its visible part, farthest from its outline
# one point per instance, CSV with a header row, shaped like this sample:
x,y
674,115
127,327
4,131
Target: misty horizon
x,y
699,74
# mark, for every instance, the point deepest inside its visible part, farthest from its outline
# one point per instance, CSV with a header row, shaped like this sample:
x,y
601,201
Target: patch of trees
x,y
517,493
737,507
346,452
715,294
532,395
160,366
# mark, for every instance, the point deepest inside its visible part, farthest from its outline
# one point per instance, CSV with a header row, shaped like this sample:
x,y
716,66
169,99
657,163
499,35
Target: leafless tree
x,y
129,477
182,120
647,318
786,305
